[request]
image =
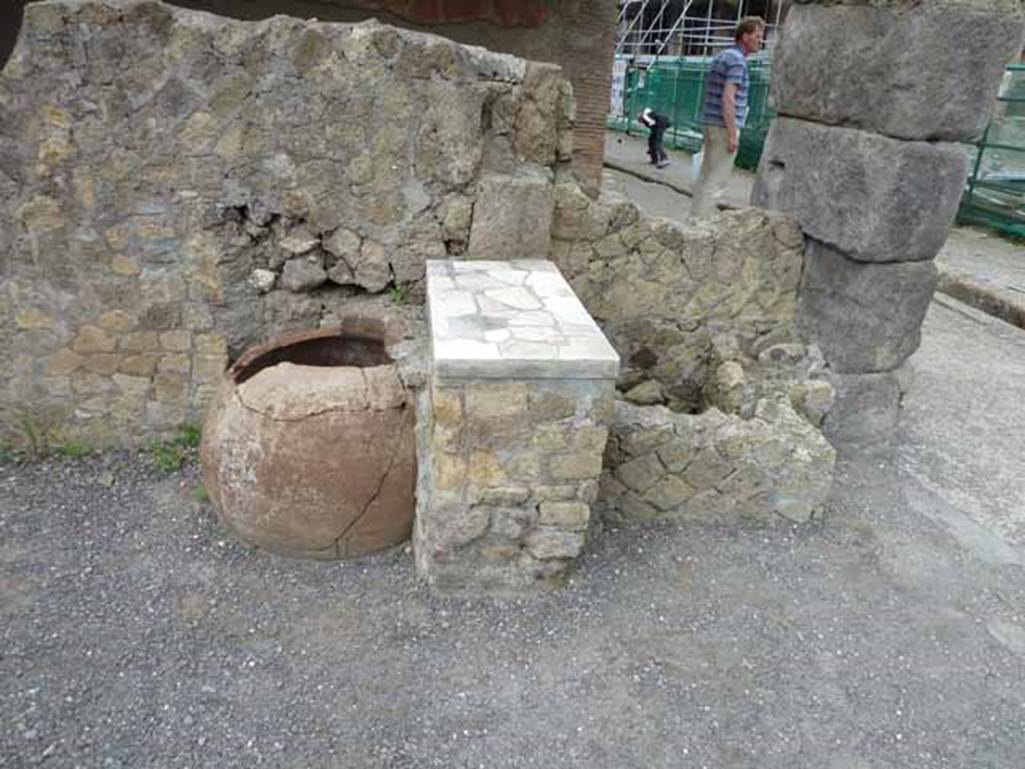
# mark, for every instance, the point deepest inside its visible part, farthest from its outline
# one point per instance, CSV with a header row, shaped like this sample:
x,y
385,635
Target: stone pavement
x,y
628,154
978,267
986,271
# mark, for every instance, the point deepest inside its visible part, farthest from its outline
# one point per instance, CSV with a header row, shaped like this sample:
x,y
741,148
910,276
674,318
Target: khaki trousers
x,y
716,166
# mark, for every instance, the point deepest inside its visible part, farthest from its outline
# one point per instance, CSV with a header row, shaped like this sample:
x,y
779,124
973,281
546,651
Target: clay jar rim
x,y
366,329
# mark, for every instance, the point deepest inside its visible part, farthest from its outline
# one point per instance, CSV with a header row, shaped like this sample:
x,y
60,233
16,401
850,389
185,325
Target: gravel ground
x,y
137,633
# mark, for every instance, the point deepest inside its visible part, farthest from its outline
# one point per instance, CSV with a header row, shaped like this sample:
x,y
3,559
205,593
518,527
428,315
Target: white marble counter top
x,y
512,320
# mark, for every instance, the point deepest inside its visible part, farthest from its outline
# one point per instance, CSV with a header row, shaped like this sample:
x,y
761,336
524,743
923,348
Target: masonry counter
x,y
511,430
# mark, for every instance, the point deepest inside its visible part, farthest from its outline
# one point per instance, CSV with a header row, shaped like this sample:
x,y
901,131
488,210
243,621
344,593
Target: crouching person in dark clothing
x,y
657,125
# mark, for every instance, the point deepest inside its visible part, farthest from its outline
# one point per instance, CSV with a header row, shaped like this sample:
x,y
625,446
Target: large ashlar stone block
x,y
866,413
864,317
510,434
910,70
875,198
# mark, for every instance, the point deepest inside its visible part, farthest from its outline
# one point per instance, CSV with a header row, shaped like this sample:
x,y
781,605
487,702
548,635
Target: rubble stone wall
x,y
176,186
578,36
772,467
508,472
662,290
702,316
755,453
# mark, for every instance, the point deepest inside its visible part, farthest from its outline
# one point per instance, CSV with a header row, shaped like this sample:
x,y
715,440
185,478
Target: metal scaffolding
x,y
663,49
649,29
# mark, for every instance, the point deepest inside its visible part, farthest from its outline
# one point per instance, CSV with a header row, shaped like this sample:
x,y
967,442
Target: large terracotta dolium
x,y
308,449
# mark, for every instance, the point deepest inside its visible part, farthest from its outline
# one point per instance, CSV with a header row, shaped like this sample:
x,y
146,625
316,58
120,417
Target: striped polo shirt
x,y
729,66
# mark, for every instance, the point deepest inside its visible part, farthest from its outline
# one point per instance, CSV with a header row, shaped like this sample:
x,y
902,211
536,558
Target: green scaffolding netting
x,y
994,194
676,88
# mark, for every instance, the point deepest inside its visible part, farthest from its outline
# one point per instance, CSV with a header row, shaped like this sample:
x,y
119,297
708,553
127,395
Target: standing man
x,y
723,114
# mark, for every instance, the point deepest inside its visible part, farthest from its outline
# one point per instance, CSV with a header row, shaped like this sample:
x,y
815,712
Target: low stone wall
x,y
774,467
175,187
662,290
754,453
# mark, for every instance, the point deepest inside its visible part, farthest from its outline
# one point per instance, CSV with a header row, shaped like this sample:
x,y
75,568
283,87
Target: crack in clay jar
x,y
308,448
